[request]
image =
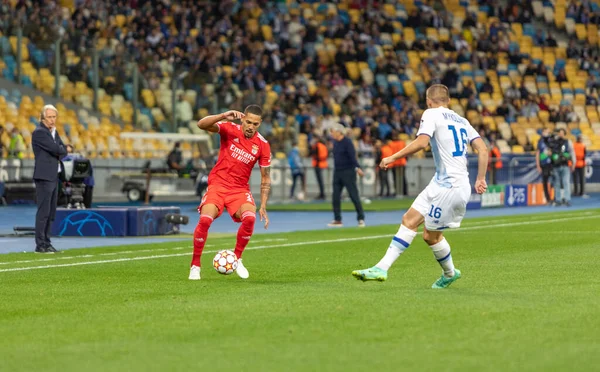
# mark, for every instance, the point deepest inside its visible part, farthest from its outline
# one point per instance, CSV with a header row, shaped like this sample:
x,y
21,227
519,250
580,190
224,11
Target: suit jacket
x,y
48,151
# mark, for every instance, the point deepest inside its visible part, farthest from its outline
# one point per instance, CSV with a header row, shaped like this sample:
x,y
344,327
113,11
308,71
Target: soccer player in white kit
x,y
443,203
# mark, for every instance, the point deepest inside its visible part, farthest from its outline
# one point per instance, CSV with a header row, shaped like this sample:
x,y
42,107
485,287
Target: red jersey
x,y
237,156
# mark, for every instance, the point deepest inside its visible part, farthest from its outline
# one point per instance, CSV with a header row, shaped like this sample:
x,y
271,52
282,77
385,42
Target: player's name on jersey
x,y
241,155
454,118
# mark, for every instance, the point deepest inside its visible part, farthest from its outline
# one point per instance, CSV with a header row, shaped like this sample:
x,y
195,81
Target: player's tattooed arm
x,y
265,189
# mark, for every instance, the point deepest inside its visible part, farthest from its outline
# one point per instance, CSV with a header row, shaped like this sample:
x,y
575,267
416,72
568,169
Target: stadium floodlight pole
x,y
19,52
96,69
135,92
57,58
174,101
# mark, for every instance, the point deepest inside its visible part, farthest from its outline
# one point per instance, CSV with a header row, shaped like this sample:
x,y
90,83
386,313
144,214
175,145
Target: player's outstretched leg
x,y
442,253
402,240
244,234
200,236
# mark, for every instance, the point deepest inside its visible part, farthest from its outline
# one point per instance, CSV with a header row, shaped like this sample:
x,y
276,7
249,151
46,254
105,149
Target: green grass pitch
x,y
528,301
347,206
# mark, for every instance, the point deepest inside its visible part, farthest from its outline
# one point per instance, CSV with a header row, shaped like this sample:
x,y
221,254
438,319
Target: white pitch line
x,y
124,259
123,252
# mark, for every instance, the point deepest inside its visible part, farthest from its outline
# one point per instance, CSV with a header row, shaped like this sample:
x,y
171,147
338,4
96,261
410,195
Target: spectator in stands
x,y
16,149
365,146
184,112
512,93
562,76
468,90
524,91
551,41
530,109
531,69
543,106
487,86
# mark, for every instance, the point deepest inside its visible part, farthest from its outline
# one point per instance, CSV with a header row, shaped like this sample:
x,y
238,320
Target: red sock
x,y
244,232
200,234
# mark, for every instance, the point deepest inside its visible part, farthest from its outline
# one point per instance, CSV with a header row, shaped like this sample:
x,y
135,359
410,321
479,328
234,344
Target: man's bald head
x,y
437,95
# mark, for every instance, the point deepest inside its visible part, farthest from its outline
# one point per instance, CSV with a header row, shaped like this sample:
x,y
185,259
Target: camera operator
x,y
563,155
543,161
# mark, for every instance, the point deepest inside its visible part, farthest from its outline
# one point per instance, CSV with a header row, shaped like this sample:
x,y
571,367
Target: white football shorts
x,y
443,208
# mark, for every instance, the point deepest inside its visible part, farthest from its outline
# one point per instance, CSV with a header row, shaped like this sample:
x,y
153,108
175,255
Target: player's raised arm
x,y
420,143
482,153
265,188
209,123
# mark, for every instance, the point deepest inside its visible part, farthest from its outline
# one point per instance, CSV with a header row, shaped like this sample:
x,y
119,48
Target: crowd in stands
x,y
356,62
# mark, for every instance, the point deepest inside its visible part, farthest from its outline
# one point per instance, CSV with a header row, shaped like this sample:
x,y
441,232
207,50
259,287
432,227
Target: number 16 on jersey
x,y
460,144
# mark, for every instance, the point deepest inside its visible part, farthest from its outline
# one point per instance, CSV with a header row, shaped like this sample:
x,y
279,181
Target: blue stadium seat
x,y
381,81
8,74
164,127
128,90
25,80
4,46
420,86
146,111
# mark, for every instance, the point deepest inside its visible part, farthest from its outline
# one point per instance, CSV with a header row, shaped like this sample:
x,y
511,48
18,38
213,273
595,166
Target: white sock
x,y
399,243
441,251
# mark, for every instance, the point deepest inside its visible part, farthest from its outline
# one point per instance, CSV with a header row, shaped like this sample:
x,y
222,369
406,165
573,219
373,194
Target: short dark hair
x,y
253,109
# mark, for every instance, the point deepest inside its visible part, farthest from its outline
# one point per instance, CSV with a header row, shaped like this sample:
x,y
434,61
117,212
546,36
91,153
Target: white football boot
x,y
241,270
195,273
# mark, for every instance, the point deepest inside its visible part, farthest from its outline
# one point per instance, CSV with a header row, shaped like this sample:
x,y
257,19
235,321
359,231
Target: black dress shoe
x,y
51,249
40,249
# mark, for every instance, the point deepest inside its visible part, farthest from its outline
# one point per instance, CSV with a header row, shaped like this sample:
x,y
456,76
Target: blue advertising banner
x,y
138,221
522,170
90,222
515,196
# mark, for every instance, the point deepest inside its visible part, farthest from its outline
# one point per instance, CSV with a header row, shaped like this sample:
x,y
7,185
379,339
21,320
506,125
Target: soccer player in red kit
x,y
241,147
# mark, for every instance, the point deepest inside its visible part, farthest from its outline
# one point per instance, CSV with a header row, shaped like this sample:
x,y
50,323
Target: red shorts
x,y
224,197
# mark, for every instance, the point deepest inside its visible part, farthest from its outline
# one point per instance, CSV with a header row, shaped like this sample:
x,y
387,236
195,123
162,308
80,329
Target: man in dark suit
x,y
48,149
346,168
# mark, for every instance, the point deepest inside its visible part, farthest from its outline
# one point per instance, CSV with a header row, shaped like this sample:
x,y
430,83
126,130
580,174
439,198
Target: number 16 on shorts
x,y
435,212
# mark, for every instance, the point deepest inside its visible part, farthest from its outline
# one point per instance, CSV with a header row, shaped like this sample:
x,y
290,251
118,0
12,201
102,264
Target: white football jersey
x,y
450,133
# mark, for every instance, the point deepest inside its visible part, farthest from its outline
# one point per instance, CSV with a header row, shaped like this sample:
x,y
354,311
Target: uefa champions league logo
x,y
150,223
86,223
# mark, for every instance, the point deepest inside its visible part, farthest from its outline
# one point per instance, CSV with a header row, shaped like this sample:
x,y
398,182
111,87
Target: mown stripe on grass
x,y
324,241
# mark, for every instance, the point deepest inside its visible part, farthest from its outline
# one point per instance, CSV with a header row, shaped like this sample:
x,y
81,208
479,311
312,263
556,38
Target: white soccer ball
x,y
300,195
225,262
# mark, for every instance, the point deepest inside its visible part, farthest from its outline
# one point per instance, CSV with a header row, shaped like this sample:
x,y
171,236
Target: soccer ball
x,y
225,262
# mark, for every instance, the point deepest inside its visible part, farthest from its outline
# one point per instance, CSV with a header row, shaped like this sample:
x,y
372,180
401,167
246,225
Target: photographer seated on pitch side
x,y
563,154
175,159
